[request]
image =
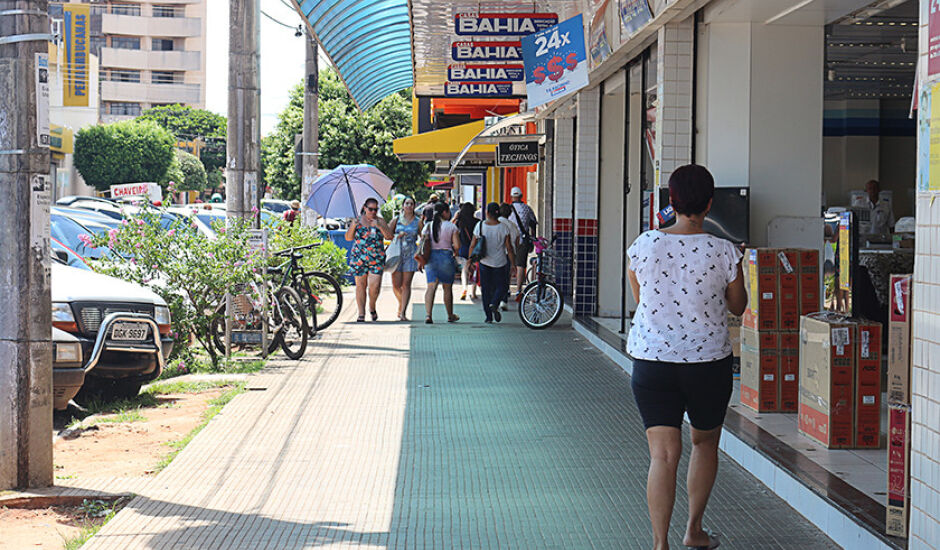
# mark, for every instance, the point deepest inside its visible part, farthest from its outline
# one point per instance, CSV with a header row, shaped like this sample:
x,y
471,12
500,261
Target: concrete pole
x,y
243,154
25,308
311,129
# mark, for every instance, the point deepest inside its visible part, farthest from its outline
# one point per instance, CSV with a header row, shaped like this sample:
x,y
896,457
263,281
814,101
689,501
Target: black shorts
x,y
522,254
665,391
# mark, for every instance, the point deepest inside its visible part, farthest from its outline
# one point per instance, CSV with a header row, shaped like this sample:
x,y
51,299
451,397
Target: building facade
x,y
151,54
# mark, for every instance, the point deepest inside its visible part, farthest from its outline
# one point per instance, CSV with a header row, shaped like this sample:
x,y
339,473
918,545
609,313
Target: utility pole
x,y
311,129
25,307
243,153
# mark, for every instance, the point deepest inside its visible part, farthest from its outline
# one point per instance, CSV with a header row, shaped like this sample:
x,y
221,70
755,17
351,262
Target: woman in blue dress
x,y
405,228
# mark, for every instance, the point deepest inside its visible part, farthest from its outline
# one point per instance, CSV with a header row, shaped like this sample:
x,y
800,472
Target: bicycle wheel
x,y
541,305
327,295
218,328
288,312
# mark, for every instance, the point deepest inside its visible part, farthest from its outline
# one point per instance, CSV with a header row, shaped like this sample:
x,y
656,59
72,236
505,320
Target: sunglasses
x,y
370,209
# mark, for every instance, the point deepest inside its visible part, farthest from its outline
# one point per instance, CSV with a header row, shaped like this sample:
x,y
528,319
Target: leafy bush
x,y
186,268
194,173
124,152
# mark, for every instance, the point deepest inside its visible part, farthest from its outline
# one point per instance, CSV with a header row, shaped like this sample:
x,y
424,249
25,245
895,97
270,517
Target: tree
x,y
123,152
188,123
347,136
194,173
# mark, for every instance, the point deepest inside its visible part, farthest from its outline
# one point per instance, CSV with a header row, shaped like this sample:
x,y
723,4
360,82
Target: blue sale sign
x,y
634,15
555,61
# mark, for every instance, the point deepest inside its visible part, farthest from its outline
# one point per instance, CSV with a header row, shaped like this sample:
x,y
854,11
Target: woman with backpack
x,y
496,257
466,223
441,238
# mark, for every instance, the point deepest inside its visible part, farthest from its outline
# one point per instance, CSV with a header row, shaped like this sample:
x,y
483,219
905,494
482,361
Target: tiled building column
x,y
562,178
585,203
925,376
674,92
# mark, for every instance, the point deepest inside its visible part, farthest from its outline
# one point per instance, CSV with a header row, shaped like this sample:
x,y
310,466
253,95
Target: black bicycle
x,y
541,303
321,293
286,321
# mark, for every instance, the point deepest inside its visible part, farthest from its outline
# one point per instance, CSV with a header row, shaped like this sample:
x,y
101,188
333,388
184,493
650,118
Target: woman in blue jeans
x,y
496,261
442,265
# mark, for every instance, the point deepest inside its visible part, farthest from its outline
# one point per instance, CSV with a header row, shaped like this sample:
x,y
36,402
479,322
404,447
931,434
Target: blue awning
x,y
369,42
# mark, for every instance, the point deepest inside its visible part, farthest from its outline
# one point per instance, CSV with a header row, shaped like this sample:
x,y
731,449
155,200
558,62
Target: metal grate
x,y
90,315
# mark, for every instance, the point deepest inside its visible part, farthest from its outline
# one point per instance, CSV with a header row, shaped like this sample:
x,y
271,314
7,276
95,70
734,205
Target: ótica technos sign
x,y
502,24
517,153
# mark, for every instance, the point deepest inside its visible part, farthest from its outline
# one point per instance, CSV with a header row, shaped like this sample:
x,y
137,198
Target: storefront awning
x,y
444,144
368,41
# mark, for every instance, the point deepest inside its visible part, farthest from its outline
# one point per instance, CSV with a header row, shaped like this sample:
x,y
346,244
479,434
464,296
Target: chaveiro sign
x,y
502,24
486,51
555,61
485,72
517,153
477,89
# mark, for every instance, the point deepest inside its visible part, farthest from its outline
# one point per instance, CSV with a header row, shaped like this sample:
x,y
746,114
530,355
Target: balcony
x,y
151,60
151,93
136,25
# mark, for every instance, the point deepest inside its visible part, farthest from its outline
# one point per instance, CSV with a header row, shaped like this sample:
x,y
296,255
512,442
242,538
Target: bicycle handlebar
x,y
289,251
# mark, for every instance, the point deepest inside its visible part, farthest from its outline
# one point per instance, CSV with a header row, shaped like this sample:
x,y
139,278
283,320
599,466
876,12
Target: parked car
x,y
69,232
123,329
68,370
275,205
95,204
85,216
67,256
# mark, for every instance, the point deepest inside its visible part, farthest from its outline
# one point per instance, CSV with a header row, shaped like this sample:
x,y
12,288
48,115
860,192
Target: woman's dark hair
x,y
505,210
465,219
493,210
691,187
439,208
365,204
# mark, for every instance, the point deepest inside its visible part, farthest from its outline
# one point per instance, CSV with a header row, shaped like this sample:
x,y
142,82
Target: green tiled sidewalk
x,y
392,435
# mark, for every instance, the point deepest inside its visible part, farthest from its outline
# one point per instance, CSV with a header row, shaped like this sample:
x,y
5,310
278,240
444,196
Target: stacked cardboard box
x,y
783,284
899,404
840,381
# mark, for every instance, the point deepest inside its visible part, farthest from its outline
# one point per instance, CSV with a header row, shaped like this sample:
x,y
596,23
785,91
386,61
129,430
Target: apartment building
x,y
151,53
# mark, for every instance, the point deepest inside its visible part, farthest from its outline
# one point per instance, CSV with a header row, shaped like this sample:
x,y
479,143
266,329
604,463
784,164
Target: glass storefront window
x,y
648,155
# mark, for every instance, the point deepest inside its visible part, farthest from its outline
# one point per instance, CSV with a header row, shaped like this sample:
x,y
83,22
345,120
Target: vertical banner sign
x,y
933,176
600,45
933,39
555,61
75,27
634,15
42,99
845,252
924,115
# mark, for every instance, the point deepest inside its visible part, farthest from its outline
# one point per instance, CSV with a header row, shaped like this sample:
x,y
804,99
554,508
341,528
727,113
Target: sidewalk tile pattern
x,y
443,436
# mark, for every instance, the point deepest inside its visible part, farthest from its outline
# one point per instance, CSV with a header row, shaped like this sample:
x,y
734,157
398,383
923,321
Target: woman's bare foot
x,y
701,539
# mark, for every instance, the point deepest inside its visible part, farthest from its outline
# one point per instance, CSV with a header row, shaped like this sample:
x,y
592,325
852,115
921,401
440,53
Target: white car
x,y
123,329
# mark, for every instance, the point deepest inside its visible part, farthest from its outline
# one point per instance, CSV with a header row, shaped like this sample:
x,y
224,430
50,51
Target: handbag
x,y
480,249
393,255
424,252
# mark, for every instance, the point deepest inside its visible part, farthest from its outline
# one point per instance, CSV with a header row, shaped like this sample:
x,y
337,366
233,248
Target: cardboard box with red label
x,y
760,370
868,385
899,470
827,375
900,319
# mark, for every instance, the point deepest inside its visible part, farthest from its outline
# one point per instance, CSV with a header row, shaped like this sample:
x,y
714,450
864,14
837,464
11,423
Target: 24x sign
x,y
553,41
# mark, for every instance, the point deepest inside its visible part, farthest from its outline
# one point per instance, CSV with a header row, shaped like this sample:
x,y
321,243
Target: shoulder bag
x,y
393,255
480,249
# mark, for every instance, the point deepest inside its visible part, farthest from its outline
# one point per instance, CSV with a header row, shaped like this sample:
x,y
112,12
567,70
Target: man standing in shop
x,y
882,216
524,217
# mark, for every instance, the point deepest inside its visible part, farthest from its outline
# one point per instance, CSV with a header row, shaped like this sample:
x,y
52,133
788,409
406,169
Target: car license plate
x,y
129,332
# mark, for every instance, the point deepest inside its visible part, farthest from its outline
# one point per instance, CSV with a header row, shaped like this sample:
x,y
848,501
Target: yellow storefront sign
x,y
76,23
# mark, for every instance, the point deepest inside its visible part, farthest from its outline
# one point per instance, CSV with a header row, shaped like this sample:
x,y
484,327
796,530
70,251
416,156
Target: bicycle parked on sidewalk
x,y
541,303
286,321
321,293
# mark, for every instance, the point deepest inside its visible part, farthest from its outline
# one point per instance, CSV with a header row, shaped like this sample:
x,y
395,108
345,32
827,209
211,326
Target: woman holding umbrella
x,y
367,257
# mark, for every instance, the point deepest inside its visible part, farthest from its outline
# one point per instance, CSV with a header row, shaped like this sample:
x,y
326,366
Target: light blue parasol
x,y
342,192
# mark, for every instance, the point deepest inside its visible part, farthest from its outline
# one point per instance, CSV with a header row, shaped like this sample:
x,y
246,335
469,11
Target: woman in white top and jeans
x,y
685,282
494,265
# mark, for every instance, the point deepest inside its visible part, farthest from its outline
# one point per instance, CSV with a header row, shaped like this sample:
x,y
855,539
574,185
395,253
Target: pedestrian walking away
x,y
367,257
427,211
405,228
441,237
685,282
505,213
495,261
466,223
525,220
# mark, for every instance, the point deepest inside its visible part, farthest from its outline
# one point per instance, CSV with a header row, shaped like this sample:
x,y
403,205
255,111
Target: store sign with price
x,y
555,61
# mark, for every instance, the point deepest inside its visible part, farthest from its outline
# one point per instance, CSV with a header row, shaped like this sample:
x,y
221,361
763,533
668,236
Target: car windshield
x,y
73,259
69,232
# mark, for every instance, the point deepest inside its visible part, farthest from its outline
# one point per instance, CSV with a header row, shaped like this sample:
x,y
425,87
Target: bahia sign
x,y
477,89
487,51
502,24
486,73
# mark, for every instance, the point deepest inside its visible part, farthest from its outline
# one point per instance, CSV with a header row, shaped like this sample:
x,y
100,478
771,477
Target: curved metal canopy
x,y
368,41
